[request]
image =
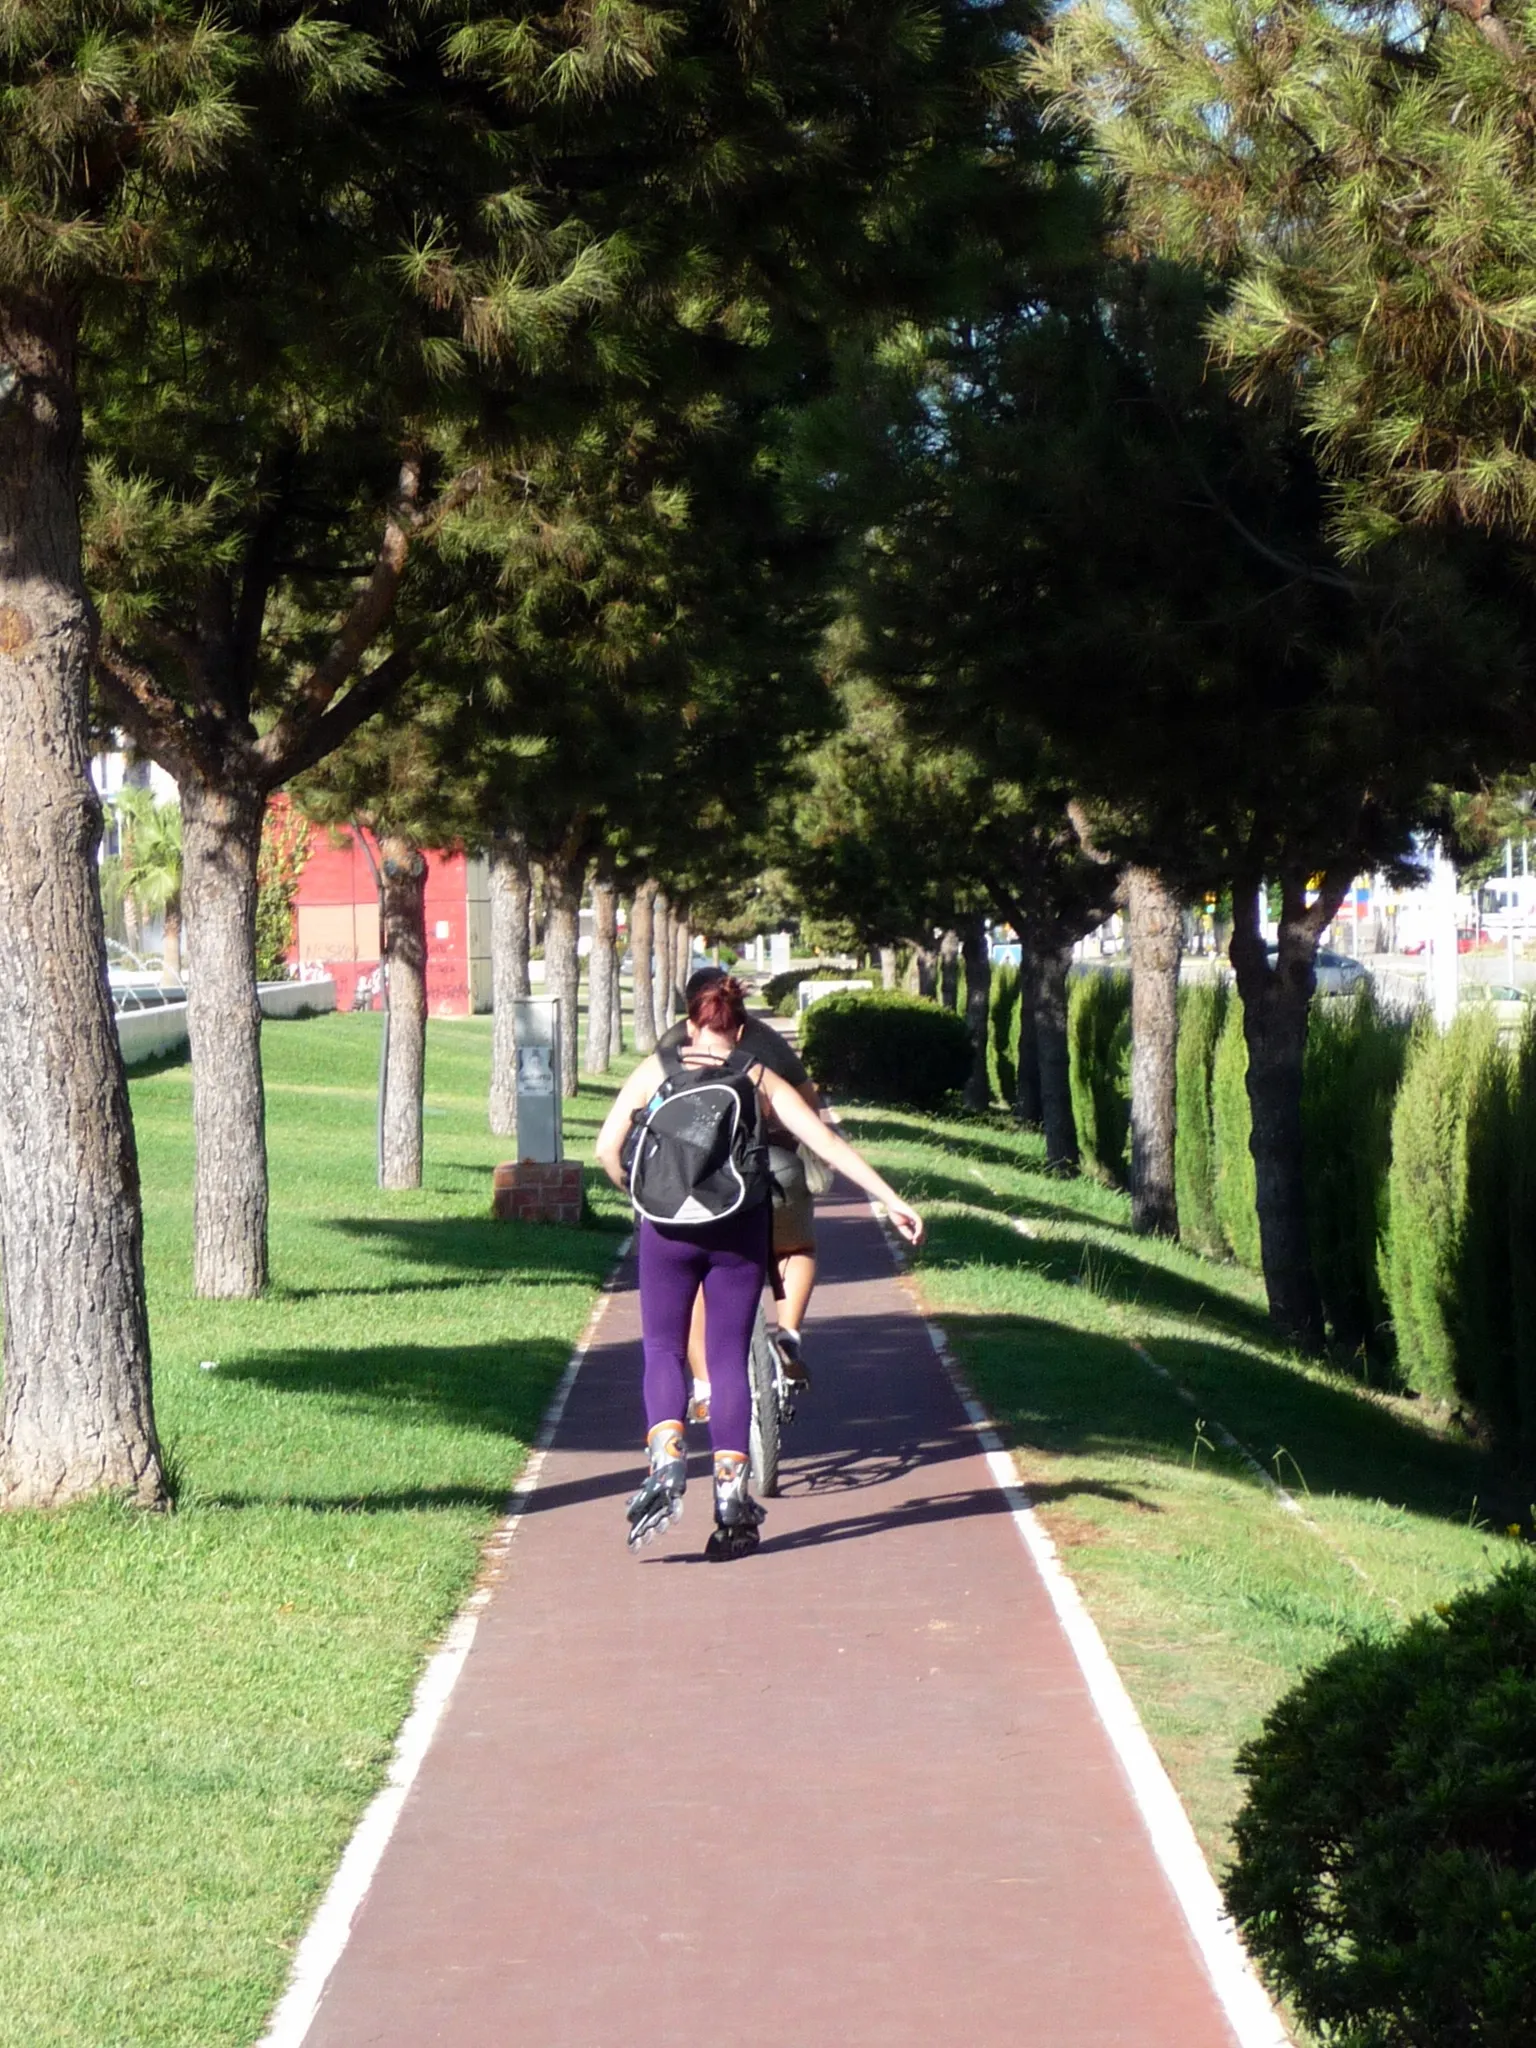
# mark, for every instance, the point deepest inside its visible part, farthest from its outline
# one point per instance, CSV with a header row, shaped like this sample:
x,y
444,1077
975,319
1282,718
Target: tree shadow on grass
x,y
546,1253
869,1127
414,1500
447,1284
922,1184
1334,1439
498,1389
1052,1194
1050,1387
1113,1272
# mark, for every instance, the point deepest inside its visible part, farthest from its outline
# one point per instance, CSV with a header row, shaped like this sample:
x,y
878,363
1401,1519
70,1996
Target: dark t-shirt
x,y
759,1041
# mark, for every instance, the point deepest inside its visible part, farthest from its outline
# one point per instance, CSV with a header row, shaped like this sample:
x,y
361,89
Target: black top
x,y
760,1042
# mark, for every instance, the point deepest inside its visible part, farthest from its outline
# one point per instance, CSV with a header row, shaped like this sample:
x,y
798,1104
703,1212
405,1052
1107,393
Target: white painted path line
x,y
1243,1999
328,1933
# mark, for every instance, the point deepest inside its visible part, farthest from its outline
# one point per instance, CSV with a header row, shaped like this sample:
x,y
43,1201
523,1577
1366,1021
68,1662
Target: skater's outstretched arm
x,y
791,1110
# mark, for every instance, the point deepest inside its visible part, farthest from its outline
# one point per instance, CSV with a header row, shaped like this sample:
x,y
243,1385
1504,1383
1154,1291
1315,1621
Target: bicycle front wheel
x,y
764,1439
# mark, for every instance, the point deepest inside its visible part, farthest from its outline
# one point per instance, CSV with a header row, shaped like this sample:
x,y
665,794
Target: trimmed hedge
x,y
779,990
1354,1068
1522,1237
1099,1051
1458,1262
1202,1012
1237,1197
1386,1855
1005,1031
889,1048
1442,1102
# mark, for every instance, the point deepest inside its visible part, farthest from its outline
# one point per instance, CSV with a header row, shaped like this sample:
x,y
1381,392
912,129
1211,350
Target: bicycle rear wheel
x,y
764,1439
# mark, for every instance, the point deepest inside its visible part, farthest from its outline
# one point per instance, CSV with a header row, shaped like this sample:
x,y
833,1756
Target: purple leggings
x,y
729,1260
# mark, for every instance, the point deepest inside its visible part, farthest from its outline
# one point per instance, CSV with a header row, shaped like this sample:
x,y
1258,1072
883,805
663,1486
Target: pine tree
x,y
600,199
388,784
319,257
1362,179
279,421
112,116
1093,560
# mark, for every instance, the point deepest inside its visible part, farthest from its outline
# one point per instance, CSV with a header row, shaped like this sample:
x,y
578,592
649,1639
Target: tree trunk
x,y
603,972
1050,994
221,845
1277,1003
1027,1105
77,1417
666,1006
616,1027
682,950
921,978
404,871
642,932
978,1008
1156,930
888,967
562,957
170,970
949,970
511,895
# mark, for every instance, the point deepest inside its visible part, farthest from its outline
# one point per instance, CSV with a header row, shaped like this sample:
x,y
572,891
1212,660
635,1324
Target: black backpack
x,y
694,1154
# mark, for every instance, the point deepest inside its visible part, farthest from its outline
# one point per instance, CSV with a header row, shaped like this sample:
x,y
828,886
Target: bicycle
x,y
773,1405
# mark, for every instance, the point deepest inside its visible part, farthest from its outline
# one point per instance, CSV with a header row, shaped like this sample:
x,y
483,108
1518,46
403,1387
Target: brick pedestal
x,y
529,1193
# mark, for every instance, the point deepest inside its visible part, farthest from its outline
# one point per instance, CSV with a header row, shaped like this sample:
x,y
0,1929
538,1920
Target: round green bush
x,y
779,991
1386,1855
887,1048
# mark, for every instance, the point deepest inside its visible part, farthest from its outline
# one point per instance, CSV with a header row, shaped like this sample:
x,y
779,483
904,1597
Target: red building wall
x,y
336,920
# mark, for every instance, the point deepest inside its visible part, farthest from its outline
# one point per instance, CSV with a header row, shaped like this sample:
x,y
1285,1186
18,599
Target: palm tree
x,y
145,873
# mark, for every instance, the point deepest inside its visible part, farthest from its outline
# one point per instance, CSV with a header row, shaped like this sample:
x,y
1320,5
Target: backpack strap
x,y
672,1062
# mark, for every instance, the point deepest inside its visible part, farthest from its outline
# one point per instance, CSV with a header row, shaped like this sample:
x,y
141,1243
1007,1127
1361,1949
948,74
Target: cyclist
x,y
727,1259
794,1213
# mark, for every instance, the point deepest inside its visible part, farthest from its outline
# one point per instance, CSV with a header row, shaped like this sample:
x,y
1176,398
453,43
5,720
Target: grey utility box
x,y
539,1134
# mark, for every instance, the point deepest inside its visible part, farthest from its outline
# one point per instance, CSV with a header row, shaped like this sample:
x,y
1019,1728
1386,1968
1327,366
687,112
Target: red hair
x,y
721,1006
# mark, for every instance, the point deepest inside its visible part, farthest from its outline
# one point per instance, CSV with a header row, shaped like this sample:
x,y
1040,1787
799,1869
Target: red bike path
x,y
850,1792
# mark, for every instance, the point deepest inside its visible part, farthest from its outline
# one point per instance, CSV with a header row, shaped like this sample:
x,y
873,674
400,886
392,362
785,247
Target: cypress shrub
x,y
1005,1031
887,1048
1482,1294
1237,1199
1099,1053
1434,1241
1522,1235
1202,1007
1354,1067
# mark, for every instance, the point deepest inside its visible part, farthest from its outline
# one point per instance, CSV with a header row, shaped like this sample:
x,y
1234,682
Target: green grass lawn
x,y
1212,1597
194,1708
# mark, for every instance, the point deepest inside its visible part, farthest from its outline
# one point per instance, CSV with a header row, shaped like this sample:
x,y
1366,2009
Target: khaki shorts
x,y
794,1213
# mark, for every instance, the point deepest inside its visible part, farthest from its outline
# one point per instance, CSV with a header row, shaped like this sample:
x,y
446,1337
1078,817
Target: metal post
x,y
540,1136
1509,906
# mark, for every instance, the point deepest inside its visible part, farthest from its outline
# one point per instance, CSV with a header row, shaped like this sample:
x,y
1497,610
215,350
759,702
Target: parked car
x,y
1508,1004
1338,974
